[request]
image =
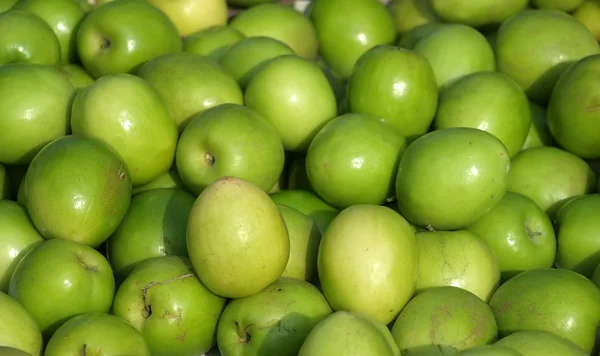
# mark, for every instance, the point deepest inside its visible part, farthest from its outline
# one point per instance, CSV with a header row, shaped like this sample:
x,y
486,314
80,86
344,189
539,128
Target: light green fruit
x,y
213,41
537,342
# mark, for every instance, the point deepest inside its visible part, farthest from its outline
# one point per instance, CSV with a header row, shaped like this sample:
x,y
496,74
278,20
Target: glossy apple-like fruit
x,y
409,14
77,189
18,329
309,204
75,278
480,13
213,41
589,15
396,84
529,342
188,84
34,115
120,36
78,76
170,179
127,113
475,178
191,16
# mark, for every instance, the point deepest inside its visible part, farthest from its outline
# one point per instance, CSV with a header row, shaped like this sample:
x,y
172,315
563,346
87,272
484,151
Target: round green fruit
x,y
409,14
18,330
308,204
560,5
212,42
488,350
537,342
480,13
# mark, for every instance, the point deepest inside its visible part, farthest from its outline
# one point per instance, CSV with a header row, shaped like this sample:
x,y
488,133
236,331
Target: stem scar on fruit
x,y
147,311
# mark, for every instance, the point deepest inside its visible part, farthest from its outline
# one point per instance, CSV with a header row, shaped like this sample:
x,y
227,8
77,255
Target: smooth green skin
x,y
213,41
396,84
573,114
555,300
294,94
540,343
6,5
534,47
26,38
441,46
275,321
67,202
380,257
589,15
99,334
297,178
18,236
539,133
409,14
489,350
247,3
475,166
309,204
64,17
443,321
135,32
229,140
78,76
578,244
354,160
248,56
169,179
549,175
11,351
411,38
345,333
520,234
33,115
237,239
183,313
74,278
5,183
489,101
346,29
154,226
457,259
190,84
281,22
17,328
305,238
126,112
560,5
481,13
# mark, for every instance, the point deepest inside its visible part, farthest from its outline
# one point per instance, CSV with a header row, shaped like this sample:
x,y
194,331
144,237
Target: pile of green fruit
x,y
335,177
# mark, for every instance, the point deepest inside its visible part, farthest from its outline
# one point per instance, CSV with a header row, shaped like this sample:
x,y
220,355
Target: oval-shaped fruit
x,y
574,108
120,36
589,15
457,259
237,239
26,38
191,16
396,84
354,160
64,17
229,140
165,301
412,37
96,333
577,226
126,113
549,176
18,236
444,320
534,47
155,225
480,13
520,233
409,14
475,178
305,238
75,278
488,350
189,84
346,29
18,329
308,204
560,5
530,342
281,22
345,333
295,308
380,257
247,57
489,101
555,300
78,76
77,189
33,115
213,41
293,94
456,50
539,133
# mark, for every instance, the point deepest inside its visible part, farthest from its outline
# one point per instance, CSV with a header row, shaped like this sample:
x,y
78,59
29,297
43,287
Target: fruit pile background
x,y
326,177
